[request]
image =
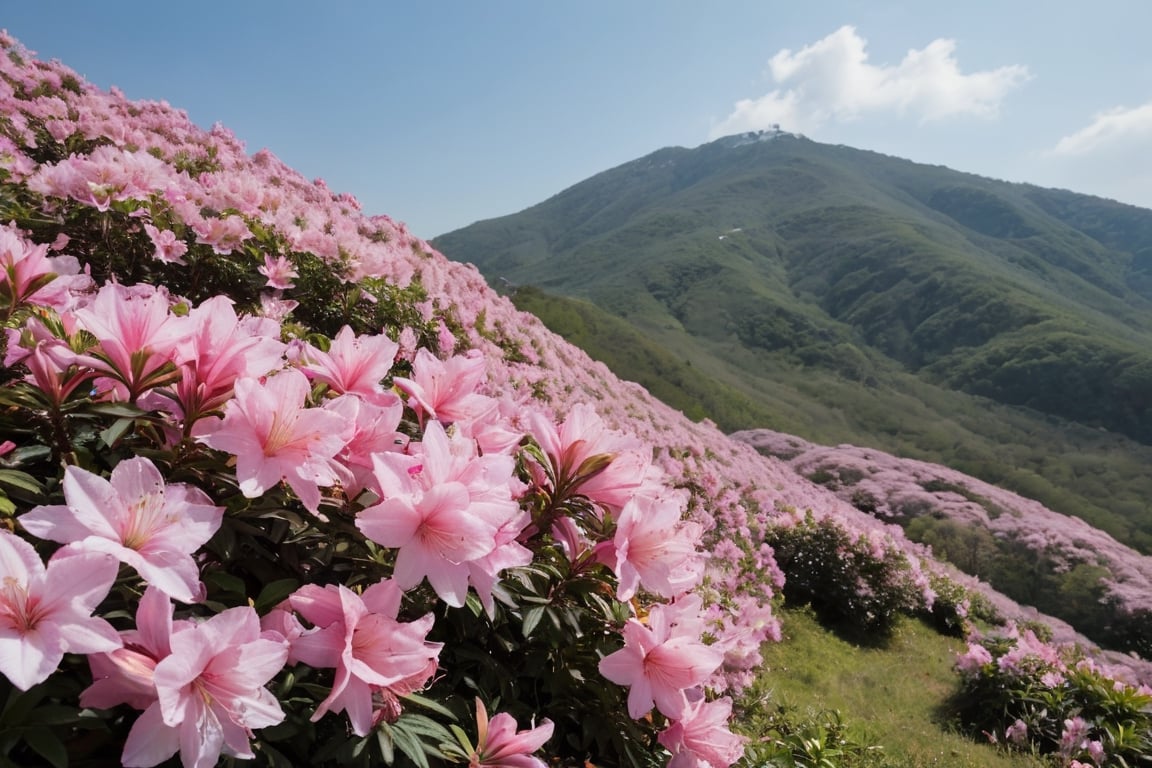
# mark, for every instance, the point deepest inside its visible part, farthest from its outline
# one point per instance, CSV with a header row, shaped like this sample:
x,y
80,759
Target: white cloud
x,y
833,81
1111,157
1107,129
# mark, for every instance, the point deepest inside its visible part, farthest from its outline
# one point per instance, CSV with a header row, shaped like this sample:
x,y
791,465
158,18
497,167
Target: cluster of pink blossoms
x,y
1022,669
448,508
439,467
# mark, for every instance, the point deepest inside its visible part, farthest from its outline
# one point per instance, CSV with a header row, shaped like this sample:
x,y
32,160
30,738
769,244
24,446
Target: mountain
x,y
847,296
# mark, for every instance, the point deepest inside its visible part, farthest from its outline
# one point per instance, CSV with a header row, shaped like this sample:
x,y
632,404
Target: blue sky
x,y
443,113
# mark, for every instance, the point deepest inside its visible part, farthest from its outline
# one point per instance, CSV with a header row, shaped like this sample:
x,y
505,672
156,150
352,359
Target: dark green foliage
x,y
981,211
954,607
1001,329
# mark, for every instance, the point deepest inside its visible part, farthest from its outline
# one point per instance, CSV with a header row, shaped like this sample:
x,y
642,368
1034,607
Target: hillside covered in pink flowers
x,y
280,480
971,523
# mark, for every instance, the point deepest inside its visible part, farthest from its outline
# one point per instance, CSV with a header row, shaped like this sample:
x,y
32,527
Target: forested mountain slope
x,y
842,295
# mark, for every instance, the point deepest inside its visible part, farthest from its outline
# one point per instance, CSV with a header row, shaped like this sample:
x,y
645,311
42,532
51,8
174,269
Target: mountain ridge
x,y
848,297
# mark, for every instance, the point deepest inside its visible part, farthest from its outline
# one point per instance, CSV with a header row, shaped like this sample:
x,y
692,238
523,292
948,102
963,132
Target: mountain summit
x,y
848,296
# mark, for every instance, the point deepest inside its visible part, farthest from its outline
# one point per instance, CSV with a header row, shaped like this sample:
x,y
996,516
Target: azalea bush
x,y
262,498
1034,696
857,582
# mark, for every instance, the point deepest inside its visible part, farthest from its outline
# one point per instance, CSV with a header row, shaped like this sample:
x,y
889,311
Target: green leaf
x,y
532,617
462,737
48,746
273,593
112,434
226,582
14,478
423,725
429,704
119,410
384,739
54,714
410,746
20,703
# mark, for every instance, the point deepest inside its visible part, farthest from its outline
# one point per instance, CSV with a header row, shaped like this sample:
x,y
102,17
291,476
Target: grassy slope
x,y
892,695
860,298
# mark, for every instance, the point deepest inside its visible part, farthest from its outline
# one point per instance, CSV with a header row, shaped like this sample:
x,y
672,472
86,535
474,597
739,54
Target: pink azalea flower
x,y
1017,733
973,660
210,693
660,662
124,676
499,745
50,369
46,612
135,518
223,234
374,431
445,341
275,437
1096,751
484,573
221,348
169,248
360,636
279,272
445,390
137,337
654,549
276,309
354,365
701,738
495,430
24,268
588,458
442,509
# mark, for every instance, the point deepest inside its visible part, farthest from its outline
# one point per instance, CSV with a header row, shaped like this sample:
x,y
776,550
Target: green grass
x,y
894,695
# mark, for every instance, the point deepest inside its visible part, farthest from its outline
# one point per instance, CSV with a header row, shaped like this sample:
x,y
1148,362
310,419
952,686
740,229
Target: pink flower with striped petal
x,y
653,548
46,612
446,389
445,509
500,745
662,661
701,738
275,436
138,336
124,676
370,650
354,365
134,517
210,693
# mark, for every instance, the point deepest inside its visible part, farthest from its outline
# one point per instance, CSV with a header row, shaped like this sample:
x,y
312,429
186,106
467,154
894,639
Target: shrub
x,y
1033,696
854,582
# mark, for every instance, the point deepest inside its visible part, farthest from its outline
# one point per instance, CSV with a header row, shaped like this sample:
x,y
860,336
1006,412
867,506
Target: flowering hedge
x,y
268,491
855,582
1034,696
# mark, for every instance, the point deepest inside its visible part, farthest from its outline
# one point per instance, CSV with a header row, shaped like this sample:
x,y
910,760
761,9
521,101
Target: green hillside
x,y
847,296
